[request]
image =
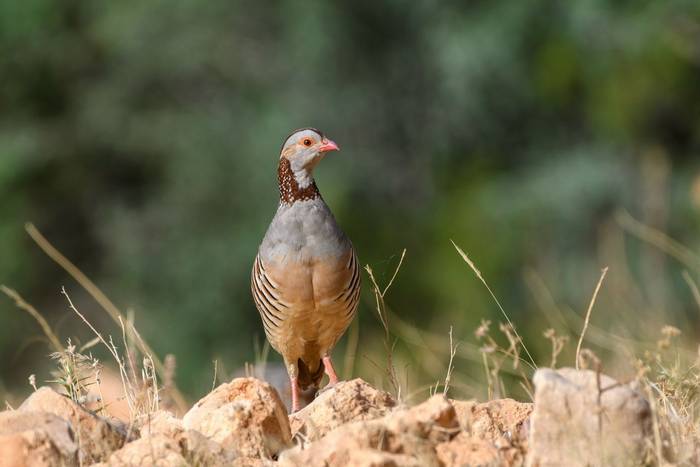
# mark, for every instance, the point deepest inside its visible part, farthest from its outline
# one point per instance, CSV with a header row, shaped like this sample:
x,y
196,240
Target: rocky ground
x,y
578,418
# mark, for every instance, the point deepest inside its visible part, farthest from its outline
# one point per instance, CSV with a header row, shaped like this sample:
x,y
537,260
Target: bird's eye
x,y
307,142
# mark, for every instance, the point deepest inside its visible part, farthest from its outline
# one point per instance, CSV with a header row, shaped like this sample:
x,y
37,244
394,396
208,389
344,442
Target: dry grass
x,y
54,341
383,315
75,372
78,371
473,267
105,303
588,315
140,391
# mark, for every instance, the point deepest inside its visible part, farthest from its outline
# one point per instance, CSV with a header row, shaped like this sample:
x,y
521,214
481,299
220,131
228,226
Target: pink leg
x,y
295,393
328,365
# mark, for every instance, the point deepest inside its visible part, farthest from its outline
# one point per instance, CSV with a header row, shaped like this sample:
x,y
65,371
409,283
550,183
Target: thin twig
x,y
127,351
659,239
473,267
655,425
450,366
693,287
112,349
213,382
588,313
23,305
384,319
396,271
487,370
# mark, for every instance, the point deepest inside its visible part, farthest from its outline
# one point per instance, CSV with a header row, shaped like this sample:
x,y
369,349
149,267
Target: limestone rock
x,y
157,450
161,422
375,458
200,450
36,439
96,436
499,421
585,419
503,418
250,462
464,410
188,447
434,420
494,431
347,401
245,415
193,445
468,450
407,434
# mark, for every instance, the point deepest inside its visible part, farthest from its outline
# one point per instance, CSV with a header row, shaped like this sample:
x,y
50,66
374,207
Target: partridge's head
x,y
305,148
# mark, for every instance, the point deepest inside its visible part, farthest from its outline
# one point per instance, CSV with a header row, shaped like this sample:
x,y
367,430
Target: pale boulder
x,y
347,401
36,439
494,433
97,437
245,415
582,418
375,458
408,437
499,421
465,449
156,451
193,445
161,422
200,450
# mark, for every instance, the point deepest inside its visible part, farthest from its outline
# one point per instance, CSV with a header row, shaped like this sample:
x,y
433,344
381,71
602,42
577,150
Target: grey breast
x,y
303,231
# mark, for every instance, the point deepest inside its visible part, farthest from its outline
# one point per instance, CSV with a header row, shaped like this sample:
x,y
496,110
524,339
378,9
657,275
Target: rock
x,y
409,433
582,418
36,439
275,373
250,462
157,450
188,447
375,458
434,420
347,401
161,422
97,437
194,446
341,446
494,431
464,410
245,415
499,421
200,450
465,449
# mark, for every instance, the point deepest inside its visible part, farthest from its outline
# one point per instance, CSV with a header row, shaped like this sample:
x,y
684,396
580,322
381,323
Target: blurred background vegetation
x,y
141,137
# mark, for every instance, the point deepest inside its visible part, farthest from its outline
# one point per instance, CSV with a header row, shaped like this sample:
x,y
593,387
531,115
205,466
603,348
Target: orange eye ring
x,y
307,142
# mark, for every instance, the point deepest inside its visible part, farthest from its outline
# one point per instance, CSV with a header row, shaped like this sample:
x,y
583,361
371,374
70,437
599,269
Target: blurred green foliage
x,y
142,138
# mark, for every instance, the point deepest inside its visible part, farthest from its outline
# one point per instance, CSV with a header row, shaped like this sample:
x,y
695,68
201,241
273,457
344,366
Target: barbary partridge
x,y
306,278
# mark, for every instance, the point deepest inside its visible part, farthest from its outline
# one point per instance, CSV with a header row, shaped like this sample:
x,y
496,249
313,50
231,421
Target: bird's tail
x,y
308,377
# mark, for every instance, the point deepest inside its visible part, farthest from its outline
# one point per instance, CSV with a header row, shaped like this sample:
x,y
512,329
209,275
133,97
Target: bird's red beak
x,y
328,145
